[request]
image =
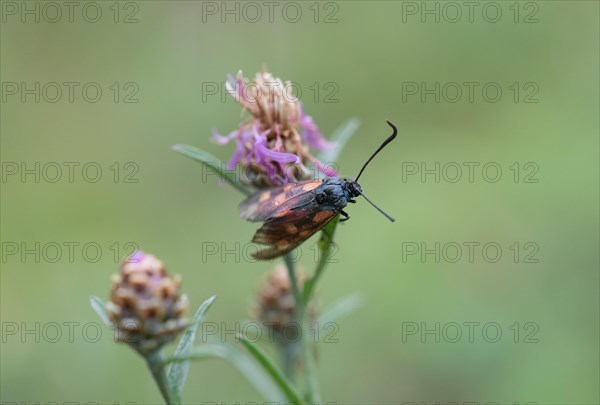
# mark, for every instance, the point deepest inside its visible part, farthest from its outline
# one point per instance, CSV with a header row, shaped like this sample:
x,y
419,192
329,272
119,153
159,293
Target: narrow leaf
x,y
212,162
253,373
98,306
340,136
178,371
276,374
340,309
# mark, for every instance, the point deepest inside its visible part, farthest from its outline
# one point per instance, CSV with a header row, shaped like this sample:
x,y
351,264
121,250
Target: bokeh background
x,y
367,49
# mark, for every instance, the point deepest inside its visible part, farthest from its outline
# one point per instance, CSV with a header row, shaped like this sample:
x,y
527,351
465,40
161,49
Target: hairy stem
x,y
310,375
156,365
295,289
325,248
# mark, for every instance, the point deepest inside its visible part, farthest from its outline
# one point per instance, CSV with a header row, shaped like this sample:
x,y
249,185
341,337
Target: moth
x,y
294,212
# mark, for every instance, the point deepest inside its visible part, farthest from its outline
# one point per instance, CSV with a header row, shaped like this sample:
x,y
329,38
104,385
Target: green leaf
x,y
255,375
178,371
212,162
340,136
276,374
100,308
325,250
340,309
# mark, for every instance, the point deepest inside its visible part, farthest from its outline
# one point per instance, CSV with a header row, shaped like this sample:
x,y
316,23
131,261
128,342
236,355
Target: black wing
x,y
283,234
278,201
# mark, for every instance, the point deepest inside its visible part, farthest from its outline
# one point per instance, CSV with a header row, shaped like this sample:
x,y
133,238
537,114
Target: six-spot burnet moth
x,y
293,212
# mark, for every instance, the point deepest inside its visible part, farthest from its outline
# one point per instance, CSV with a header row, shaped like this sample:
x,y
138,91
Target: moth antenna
x,y
378,209
390,139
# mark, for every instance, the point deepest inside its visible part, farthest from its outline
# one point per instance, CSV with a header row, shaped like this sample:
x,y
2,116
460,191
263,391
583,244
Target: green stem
x,y
325,249
310,375
289,352
310,370
156,365
295,289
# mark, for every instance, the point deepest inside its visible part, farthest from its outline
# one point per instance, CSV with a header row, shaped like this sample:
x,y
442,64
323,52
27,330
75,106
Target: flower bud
x,y
146,307
275,306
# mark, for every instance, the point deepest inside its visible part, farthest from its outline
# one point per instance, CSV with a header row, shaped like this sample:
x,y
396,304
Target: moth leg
x,y
345,214
352,201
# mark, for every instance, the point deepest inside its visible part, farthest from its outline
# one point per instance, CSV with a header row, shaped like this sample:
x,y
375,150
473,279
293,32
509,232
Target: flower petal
x,y
312,133
222,140
280,157
137,257
326,170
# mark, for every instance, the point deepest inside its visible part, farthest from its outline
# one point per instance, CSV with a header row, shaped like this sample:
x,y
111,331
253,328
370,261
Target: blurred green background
x,y
369,52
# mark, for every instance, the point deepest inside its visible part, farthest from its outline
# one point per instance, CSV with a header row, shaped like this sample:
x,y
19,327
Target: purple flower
x,y
273,143
312,133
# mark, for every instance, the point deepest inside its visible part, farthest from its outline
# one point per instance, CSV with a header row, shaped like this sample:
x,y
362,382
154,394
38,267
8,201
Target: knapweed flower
x,y
273,144
146,307
275,306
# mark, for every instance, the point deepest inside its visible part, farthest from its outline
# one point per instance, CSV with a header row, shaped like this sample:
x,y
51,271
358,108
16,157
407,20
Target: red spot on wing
x,y
285,233
277,201
321,216
283,213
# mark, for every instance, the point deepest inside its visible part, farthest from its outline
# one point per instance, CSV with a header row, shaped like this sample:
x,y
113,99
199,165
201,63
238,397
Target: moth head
x,y
353,188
